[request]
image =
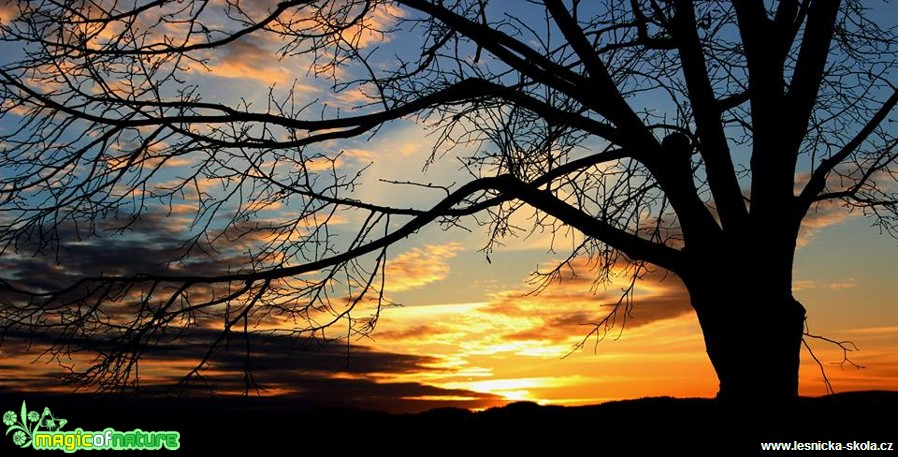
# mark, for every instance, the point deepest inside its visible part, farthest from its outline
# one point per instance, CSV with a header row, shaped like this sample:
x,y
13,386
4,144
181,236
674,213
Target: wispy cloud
x,y
419,267
807,284
889,330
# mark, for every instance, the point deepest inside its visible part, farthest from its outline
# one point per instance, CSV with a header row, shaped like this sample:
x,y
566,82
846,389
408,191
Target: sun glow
x,y
516,389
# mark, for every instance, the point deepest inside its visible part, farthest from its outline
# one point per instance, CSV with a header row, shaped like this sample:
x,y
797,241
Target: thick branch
x,y
613,155
754,31
617,108
633,246
676,183
512,52
810,68
734,100
709,126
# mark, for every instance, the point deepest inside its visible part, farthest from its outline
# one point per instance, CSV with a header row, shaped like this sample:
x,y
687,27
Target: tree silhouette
x,y
691,136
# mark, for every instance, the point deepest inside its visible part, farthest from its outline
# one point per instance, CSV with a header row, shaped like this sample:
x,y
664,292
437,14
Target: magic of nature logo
x,y
44,432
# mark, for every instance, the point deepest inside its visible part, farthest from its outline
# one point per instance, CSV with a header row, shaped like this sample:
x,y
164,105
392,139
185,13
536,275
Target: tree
x,y
691,136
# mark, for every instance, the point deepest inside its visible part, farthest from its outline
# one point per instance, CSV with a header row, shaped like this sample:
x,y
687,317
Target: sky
x,y
467,329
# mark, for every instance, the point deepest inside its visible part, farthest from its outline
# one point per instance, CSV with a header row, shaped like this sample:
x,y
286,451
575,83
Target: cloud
x,y
825,213
891,331
521,357
256,59
148,246
805,284
162,240
274,57
515,322
849,283
371,30
566,308
8,11
280,365
154,245
307,375
412,332
419,267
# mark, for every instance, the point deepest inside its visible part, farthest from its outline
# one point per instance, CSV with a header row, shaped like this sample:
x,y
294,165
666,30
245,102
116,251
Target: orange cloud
x,y
273,58
502,346
517,322
822,215
478,351
573,302
830,212
8,11
256,59
420,266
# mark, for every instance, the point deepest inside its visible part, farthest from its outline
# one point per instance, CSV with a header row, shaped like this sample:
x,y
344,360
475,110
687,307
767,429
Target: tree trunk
x,y
752,332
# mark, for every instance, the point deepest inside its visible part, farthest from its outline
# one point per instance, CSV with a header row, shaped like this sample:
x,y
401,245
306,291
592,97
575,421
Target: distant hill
x,y
632,427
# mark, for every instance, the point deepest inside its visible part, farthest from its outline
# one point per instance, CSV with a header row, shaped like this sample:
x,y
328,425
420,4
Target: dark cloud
x,y
315,394
307,375
154,244
276,357
321,392
648,310
280,357
305,371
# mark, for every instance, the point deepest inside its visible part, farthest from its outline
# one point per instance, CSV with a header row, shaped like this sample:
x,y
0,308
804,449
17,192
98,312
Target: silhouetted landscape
x,y
206,196
680,426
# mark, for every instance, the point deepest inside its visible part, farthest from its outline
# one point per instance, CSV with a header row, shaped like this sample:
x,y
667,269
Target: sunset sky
x,y
469,329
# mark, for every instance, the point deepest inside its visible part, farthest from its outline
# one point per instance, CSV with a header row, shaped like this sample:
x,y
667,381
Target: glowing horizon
x,y
514,346
471,332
